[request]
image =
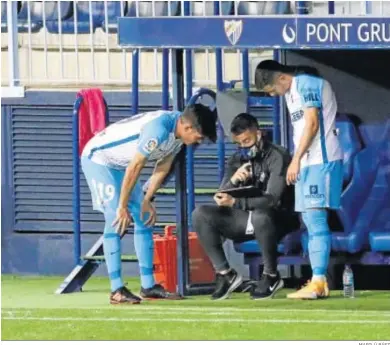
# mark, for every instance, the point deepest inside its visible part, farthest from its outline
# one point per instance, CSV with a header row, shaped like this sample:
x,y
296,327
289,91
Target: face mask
x,y
248,153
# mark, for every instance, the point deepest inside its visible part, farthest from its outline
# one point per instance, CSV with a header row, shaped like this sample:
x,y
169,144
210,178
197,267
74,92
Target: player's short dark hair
x,y
243,122
267,71
202,118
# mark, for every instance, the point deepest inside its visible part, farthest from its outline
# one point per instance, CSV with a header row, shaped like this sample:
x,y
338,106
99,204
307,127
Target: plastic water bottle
x,y
348,283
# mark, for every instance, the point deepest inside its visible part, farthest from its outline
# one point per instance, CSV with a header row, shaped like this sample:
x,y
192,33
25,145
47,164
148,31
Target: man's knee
x,y
140,223
316,221
262,220
202,212
109,217
201,216
315,216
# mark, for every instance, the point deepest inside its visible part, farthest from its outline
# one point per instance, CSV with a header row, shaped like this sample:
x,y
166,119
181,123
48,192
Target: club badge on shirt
x,y
150,145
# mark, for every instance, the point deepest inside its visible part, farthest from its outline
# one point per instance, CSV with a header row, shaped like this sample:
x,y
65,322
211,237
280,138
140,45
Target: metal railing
x,y
68,43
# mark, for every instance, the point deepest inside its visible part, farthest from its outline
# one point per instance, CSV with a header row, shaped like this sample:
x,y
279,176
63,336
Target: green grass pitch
x,y
31,310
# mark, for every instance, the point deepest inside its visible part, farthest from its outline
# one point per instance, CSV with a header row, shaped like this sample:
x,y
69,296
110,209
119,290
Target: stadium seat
x,y
263,7
360,171
362,201
288,245
380,241
42,13
115,9
79,10
306,7
34,9
320,8
253,247
366,220
200,8
379,225
146,8
374,132
380,237
350,143
3,16
355,202
4,25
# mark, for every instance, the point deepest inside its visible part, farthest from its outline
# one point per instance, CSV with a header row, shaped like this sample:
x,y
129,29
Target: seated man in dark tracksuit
x,y
266,218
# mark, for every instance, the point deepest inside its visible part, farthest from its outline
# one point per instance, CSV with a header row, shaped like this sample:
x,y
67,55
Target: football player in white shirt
x,y
112,162
316,167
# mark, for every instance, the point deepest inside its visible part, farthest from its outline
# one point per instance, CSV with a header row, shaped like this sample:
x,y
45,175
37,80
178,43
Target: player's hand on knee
x,y
148,208
242,173
122,220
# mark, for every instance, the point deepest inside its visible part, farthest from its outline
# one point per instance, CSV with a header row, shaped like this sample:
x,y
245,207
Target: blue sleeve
x,y
310,90
153,134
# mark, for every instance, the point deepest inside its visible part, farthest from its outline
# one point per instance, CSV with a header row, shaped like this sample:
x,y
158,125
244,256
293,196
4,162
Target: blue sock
x,y
144,247
319,239
112,253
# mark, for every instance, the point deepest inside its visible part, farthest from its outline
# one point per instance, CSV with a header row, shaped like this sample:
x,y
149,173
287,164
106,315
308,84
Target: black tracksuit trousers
x,y
213,223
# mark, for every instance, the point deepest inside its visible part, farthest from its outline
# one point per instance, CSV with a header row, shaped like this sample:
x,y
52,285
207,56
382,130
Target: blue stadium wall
x,y
37,182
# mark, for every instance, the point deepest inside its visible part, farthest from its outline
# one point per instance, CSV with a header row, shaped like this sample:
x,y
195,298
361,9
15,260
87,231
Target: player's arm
x,y
277,167
132,173
153,134
310,94
309,132
161,170
133,170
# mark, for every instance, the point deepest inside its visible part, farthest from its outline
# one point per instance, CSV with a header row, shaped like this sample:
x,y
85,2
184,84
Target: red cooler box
x,y
165,260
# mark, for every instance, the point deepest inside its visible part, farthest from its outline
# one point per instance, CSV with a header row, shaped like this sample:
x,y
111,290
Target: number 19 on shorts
x,y
103,193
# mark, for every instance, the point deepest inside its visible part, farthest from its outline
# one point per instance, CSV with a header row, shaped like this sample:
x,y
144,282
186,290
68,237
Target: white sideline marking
x,y
136,311
196,320
184,311
218,306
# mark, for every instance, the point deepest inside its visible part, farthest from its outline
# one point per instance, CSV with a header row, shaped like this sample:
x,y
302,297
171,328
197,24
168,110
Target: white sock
x,y
318,277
